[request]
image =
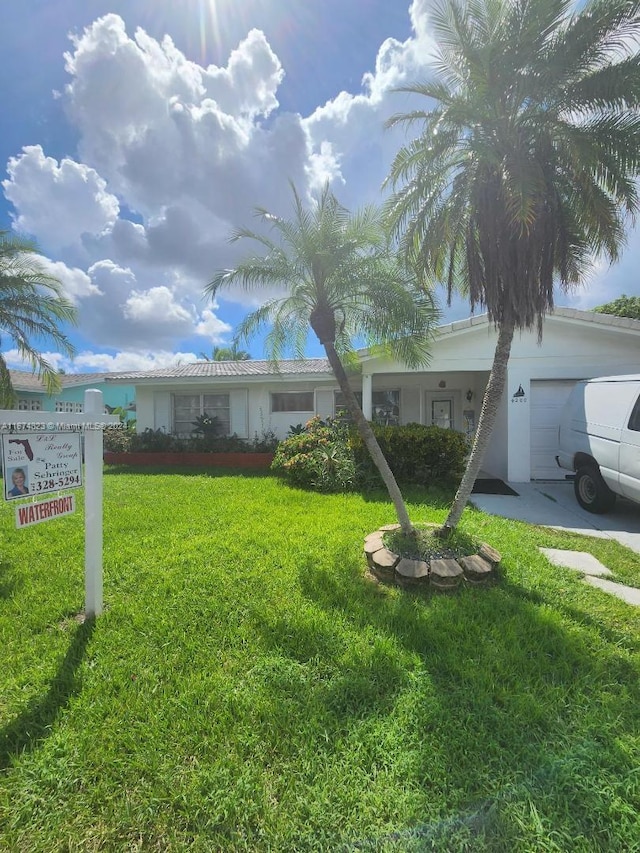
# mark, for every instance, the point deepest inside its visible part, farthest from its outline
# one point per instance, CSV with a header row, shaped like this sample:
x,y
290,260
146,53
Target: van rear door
x,y
630,455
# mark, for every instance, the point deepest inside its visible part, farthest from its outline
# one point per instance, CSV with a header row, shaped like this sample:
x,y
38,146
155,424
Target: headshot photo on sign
x,y
17,485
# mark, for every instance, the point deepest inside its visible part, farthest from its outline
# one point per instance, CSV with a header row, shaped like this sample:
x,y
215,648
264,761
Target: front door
x,y
441,413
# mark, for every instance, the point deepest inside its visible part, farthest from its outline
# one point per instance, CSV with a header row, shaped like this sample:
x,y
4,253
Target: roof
x,y
25,380
227,369
557,313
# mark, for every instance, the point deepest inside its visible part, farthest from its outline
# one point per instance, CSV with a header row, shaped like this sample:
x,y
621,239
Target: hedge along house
x,y
251,396
31,394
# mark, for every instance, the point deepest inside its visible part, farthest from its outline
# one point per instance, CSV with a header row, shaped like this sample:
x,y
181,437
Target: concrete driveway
x,y
553,504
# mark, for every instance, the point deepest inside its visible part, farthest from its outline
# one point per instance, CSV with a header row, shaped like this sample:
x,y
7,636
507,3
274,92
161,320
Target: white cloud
x,y
88,361
212,327
15,361
128,360
156,305
75,282
57,202
187,150
159,127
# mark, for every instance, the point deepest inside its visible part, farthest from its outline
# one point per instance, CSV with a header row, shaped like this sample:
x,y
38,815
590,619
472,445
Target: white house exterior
x,y
251,396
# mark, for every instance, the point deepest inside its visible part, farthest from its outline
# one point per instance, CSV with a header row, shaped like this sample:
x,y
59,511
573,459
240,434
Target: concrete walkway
x,y
594,570
553,504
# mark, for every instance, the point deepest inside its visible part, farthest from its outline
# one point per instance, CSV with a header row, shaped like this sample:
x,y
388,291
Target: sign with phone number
x,y
36,463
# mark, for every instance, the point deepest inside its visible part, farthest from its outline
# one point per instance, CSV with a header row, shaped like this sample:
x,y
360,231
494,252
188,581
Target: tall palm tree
x,y
31,308
230,353
525,164
339,277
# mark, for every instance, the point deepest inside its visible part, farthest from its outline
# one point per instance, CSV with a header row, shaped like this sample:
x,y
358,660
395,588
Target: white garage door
x,y
547,399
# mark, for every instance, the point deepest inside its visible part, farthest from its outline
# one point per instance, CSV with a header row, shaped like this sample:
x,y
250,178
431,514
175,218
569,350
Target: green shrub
x,y
117,440
415,453
216,444
319,458
330,456
155,441
159,441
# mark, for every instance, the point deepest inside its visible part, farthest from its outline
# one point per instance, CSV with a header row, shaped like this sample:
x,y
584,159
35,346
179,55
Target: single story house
x,y
250,396
32,395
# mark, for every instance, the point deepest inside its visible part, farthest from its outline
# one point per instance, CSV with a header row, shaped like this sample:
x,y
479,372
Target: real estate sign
x,y
37,463
34,513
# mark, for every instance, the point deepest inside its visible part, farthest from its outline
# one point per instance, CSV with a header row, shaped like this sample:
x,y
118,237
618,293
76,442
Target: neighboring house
x,y
250,396
32,396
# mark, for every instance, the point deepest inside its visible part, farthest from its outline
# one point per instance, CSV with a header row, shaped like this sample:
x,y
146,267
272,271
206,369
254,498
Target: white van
x,y
600,440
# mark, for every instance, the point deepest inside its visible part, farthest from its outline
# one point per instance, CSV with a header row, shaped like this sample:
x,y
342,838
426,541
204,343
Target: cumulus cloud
x,y
76,284
89,362
16,361
173,156
58,201
156,306
212,327
159,127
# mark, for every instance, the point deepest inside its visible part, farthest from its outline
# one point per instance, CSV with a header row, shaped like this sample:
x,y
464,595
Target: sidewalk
x,y
553,504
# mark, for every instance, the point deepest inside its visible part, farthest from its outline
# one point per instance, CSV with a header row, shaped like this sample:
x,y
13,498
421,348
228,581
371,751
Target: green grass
x,y
247,689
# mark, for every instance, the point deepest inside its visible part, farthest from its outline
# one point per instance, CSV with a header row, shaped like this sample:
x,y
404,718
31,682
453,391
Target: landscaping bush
x,y
330,456
217,444
319,458
155,441
117,440
203,440
415,453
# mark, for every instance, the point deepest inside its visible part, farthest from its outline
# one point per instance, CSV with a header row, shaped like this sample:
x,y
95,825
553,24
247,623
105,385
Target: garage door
x,y
547,399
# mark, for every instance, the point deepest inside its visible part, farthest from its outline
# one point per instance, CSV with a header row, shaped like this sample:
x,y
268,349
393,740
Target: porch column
x,y
518,394
367,405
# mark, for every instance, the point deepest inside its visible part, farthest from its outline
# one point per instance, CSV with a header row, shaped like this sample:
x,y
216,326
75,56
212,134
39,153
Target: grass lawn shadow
x,y
36,721
516,700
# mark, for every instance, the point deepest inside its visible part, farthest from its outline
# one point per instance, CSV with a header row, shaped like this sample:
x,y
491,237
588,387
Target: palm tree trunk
x,y
490,403
370,441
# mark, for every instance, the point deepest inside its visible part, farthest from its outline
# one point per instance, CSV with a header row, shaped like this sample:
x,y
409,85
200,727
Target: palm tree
x,y
31,307
231,353
524,167
341,279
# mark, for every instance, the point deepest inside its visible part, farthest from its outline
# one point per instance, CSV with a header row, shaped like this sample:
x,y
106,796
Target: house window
x,y
385,406
340,405
292,401
188,407
30,405
68,406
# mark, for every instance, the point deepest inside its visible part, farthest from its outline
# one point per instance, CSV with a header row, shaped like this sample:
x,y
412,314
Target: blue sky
x,y
131,150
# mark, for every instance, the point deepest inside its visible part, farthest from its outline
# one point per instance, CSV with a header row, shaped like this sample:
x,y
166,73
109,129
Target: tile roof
x,y
214,369
25,380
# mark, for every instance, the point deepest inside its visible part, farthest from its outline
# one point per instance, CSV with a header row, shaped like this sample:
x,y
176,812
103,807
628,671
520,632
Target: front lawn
x,y
247,689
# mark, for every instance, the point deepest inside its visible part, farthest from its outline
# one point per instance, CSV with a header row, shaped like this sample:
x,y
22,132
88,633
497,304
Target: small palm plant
x,y
341,278
207,426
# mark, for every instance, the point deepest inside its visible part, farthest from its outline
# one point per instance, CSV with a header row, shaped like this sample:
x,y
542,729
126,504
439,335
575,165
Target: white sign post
x,y
56,466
